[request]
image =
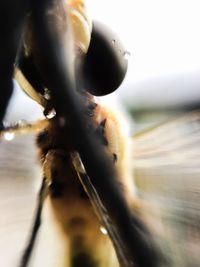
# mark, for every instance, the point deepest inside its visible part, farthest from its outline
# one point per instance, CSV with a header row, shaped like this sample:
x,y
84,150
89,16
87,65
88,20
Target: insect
x,y
96,65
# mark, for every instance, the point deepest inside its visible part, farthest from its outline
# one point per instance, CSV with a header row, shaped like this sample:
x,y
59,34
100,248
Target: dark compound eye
x,y
105,64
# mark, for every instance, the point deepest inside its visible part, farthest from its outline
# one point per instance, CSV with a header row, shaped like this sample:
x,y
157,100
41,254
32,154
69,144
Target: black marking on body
x,y
100,131
83,260
64,158
115,158
29,69
91,107
77,222
82,192
42,137
56,188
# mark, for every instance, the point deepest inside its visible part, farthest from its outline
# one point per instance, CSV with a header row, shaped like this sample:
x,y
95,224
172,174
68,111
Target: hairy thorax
x,y
69,203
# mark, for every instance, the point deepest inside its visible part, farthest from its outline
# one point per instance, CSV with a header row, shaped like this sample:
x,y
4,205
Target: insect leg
x,y
36,225
12,14
99,207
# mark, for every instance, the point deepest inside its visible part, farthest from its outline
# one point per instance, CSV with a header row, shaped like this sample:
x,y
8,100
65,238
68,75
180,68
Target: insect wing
x,y
166,171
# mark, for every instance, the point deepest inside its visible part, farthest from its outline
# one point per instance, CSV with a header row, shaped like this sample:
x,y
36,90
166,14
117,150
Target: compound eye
x,y
105,64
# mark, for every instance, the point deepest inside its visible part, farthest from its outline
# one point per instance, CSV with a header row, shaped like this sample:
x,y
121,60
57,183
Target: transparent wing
x,y
22,127
166,169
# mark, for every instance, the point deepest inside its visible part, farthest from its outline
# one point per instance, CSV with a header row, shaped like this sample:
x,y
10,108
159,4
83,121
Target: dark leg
x,y
5,94
12,14
36,225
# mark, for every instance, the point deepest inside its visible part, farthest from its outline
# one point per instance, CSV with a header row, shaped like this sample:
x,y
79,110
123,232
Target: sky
x,y
162,37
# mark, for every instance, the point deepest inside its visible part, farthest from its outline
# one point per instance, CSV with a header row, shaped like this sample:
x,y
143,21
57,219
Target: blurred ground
x,y
19,181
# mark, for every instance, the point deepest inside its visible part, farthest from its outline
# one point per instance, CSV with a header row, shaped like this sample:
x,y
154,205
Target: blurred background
x,y
160,96
164,63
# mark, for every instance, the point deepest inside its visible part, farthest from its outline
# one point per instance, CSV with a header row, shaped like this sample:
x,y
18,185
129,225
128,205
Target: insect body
x,y
69,203
58,141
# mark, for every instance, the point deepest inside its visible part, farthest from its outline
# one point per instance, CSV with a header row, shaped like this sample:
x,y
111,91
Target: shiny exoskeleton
x,y
69,203
100,67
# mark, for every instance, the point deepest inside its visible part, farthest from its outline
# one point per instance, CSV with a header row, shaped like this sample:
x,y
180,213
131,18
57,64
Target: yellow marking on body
x,y
81,24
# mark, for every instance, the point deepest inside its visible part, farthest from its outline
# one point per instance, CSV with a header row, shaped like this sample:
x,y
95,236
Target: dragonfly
x,y
62,61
